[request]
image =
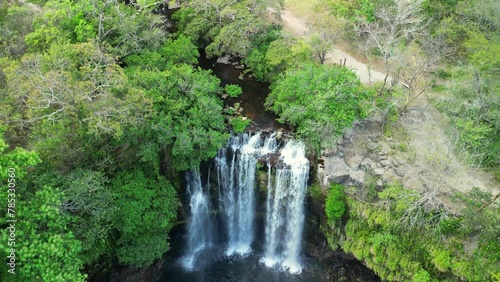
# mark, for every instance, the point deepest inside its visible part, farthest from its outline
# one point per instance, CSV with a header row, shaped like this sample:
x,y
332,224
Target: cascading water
x,y
199,224
285,212
236,170
236,175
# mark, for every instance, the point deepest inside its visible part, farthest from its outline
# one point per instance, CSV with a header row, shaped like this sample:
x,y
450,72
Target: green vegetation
x,y
239,124
320,101
103,110
115,110
228,26
335,203
146,212
233,90
402,235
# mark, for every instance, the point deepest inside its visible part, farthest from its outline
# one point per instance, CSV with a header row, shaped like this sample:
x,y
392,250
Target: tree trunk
x,y
489,203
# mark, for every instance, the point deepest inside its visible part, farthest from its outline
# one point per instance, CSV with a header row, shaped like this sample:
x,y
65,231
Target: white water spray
x,y
199,227
236,171
285,210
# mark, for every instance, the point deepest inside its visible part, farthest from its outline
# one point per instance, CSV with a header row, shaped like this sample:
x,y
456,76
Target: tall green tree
x,y
45,247
146,210
228,27
320,101
187,124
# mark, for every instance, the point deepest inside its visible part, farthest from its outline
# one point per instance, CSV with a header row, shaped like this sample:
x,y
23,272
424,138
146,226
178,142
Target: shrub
x,y
335,203
233,90
239,124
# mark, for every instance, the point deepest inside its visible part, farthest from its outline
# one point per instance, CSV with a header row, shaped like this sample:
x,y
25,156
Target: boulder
x,y
399,172
367,164
348,135
336,171
353,160
385,163
357,178
224,60
372,146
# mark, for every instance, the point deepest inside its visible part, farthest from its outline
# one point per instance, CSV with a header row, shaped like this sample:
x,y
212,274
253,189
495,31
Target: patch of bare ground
x,y
436,154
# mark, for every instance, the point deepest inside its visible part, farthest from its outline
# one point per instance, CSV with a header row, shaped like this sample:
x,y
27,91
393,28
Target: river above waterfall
x,y
253,97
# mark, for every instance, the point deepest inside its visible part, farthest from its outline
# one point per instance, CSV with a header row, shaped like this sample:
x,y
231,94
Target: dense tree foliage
x,y
146,209
47,249
115,110
320,100
228,27
273,53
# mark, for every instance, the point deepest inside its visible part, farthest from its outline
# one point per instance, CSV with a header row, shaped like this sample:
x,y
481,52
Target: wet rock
x,y
224,60
240,67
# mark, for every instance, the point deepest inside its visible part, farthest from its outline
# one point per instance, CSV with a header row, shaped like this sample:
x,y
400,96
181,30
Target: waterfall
x,y
236,170
236,166
285,209
199,224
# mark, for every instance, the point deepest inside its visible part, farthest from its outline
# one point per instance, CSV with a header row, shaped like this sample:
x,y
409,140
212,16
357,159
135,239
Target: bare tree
x,y
397,23
413,64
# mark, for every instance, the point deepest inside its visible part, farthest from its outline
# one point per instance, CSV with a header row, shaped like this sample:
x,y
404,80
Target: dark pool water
x,y
217,268
213,266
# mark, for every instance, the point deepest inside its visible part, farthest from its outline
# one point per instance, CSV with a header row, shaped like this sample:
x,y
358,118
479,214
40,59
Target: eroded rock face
x,y
414,156
361,154
336,170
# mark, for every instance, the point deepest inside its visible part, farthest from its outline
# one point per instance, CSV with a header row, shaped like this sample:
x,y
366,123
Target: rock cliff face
x,y
417,154
364,157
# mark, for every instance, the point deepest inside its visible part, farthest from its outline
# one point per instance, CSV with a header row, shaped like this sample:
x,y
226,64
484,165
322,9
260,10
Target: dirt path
x,y
299,28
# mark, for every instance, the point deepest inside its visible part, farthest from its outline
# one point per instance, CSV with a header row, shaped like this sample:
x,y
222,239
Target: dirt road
x,y
365,72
